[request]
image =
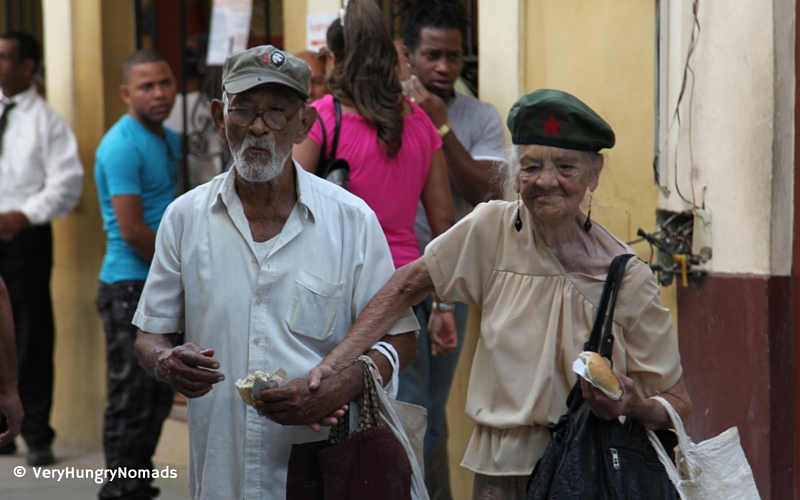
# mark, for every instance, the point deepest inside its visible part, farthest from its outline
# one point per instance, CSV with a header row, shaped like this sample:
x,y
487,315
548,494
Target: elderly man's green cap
x,y
250,68
555,118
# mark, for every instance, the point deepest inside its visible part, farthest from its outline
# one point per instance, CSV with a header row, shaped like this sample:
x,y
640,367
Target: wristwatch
x,y
444,130
443,307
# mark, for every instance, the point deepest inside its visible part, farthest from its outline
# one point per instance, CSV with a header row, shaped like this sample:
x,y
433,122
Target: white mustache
x,y
258,143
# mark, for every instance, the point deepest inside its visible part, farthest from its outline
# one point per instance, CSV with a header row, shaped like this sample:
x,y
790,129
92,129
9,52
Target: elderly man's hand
x,y
11,223
433,105
442,332
608,409
11,407
189,369
296,404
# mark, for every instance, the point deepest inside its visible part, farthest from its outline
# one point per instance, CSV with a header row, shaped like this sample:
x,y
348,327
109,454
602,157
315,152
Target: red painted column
x,y
736,349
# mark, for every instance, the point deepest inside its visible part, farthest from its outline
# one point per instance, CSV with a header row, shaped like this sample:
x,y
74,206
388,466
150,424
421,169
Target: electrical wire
x,y
676,116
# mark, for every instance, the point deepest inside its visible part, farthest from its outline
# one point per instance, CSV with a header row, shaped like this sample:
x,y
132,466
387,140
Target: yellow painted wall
x,y
101,36
294,25
602,51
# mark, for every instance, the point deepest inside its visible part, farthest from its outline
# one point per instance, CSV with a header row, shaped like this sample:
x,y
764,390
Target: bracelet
x,y
444,130
438,306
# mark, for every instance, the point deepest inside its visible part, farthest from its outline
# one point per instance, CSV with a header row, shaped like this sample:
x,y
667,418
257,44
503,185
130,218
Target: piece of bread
x,y
599,373
263,380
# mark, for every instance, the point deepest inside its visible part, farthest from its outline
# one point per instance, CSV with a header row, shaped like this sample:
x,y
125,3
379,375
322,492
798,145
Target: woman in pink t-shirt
x,y
394,151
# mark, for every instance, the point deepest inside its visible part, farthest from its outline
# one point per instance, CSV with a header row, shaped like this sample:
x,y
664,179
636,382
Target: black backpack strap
x,y
335,146
323,159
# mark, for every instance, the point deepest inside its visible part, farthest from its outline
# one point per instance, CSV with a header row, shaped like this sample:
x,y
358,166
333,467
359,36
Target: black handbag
x,y
331,168
589,458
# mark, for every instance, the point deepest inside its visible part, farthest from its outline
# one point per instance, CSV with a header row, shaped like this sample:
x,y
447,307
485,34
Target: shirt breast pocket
x,y
313,305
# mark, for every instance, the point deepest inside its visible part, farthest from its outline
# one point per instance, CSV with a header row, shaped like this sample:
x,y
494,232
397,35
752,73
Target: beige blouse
x,y
535,319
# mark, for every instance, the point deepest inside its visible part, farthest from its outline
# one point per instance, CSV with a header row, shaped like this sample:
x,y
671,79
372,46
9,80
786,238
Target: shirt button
x,y
255,261
258,301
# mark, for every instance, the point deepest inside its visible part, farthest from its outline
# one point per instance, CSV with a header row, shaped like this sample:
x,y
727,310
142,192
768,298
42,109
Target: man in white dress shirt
x,y
41,178
263,267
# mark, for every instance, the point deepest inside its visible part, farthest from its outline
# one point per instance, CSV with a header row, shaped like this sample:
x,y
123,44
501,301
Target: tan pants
x,y
499,487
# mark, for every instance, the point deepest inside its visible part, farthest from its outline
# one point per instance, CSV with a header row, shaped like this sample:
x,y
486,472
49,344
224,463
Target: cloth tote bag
x,y
712,470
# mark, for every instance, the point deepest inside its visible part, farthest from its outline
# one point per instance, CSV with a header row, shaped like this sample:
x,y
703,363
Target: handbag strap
x,y
337,128
685,445
323,160
368,417
605,312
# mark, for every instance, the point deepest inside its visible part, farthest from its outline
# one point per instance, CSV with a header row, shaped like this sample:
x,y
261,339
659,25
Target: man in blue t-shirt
x,y
136,176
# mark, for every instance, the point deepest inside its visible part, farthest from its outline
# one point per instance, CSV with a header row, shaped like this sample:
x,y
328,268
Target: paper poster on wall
x,y
316,28
230,29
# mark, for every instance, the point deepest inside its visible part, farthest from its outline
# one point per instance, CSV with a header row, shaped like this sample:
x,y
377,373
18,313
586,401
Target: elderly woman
x,y
536,267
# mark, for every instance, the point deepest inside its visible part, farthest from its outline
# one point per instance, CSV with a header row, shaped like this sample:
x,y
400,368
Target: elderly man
x,y
267,266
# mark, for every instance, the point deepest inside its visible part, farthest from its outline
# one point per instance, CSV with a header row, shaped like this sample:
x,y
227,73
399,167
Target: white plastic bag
x,y
712,470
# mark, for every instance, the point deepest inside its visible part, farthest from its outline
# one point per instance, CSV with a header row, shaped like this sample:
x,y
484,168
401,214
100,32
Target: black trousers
x,y
137,403
25,266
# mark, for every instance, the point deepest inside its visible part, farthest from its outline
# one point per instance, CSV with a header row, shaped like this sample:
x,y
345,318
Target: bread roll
x,y
599,373
262,380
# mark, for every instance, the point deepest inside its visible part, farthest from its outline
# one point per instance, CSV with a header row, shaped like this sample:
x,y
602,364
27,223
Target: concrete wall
x,y
734,147
733,154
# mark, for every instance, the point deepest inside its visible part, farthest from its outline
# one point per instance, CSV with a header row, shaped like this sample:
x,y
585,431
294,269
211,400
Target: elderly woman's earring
x,y
518,223
587,225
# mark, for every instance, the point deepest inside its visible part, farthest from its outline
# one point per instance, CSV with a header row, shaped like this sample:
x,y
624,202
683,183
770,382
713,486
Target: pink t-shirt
x,y
390,186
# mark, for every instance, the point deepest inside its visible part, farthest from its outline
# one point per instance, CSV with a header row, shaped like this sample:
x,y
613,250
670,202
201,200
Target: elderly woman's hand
x,y
648,412
608,409
295,404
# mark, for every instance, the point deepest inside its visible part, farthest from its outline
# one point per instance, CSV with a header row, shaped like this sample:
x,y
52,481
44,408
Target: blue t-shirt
x,y
131,160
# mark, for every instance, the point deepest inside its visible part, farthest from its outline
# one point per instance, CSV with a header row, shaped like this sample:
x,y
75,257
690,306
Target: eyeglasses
x,y
276,120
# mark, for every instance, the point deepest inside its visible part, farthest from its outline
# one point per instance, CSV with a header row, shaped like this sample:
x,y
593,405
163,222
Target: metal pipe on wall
x,y
137,8
31,17
185,133
267,24
18,12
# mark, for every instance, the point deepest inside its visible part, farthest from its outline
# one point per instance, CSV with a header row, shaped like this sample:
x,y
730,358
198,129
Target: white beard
x,y
260,171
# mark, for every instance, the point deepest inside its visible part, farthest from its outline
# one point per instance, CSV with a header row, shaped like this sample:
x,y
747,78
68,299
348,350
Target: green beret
x,y
555,118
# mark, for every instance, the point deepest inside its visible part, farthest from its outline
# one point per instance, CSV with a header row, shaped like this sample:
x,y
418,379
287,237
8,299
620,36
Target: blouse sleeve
x,y
653,360
461,260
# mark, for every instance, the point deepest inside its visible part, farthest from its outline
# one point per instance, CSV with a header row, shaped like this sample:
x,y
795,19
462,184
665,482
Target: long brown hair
x,y
365,71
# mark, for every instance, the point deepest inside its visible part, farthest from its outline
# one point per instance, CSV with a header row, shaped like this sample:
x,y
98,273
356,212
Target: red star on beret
x,y
551,125
265,58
